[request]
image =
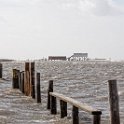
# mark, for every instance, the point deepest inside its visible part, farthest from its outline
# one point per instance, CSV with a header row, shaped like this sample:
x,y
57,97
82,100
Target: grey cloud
x,y
95,7
106,7
101,7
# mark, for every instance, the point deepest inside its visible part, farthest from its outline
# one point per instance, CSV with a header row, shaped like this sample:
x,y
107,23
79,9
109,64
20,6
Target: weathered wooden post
x,y
114,102
33,80
38,89
27,79
15,82
75,115
1,70
50,89
53,106
63,108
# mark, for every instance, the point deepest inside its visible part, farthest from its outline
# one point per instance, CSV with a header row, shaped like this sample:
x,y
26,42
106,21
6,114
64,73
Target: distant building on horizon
x,y
75,57
54,58
6,60
79,57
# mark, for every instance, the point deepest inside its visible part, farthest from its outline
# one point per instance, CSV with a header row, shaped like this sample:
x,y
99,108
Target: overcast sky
x,y
33,29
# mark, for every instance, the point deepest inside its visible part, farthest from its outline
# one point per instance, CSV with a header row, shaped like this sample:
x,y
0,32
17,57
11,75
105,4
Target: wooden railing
x,y
52,105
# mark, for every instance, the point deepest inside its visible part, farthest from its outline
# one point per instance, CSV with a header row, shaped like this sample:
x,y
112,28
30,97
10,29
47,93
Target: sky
x,y
33,29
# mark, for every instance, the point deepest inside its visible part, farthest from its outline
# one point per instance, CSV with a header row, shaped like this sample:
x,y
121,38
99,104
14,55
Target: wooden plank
x,y
76,103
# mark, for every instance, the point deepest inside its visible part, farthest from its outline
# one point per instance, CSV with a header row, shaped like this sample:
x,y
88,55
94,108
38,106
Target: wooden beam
x,y
76,103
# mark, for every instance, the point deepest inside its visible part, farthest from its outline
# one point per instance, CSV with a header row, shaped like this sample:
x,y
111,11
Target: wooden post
x,y
114,102
25,83
28,83
14,78
22,81
97,119
38,89
75,115
15,82
1,69
63,108
53,105
18,74
27,79
26,66
50,89
33,80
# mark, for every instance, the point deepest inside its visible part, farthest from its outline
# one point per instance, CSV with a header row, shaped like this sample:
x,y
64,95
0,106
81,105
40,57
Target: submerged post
x,y
97,119
53,105
75,115
1,69
50,89
38,89
63,108
114,102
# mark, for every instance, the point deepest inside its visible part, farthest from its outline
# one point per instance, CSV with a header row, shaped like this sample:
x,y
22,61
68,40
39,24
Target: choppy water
x,y
83,81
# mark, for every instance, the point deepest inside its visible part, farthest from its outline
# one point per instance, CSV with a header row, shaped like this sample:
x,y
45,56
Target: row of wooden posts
x,y
25,81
